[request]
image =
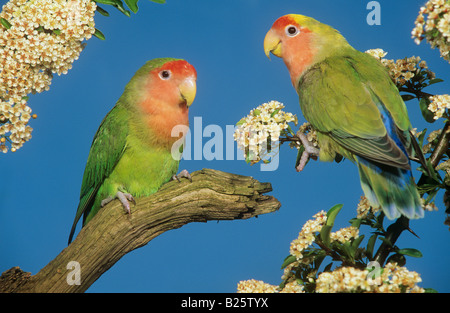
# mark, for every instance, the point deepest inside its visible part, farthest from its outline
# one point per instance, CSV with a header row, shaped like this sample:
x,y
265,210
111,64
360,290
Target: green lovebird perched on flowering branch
x,y
349,99
131,153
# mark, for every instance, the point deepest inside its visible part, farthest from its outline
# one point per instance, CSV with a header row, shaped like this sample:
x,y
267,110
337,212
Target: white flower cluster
x,y
310,133
18,117
436,28
392,279
438,105
377,53
401,70
306,235
364,208
257,133
258,286
255,286
344,235
343,279
37,38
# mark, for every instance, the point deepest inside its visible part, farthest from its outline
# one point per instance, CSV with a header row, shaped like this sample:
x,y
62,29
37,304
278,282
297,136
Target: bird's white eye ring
x,y
291,30
165,74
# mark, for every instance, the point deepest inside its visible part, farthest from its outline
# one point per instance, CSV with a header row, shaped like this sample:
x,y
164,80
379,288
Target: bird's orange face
x,y
171,89
291,40
173,85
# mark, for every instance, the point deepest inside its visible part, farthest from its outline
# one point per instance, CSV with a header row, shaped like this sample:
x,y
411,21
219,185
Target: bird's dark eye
x,y
291,30
165,74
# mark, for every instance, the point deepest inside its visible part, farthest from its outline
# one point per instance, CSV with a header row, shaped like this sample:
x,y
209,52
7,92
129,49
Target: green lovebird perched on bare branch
x,y
131,154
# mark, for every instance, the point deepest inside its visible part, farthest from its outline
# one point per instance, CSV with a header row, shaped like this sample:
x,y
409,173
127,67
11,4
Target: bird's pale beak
x,y
272,43
188,89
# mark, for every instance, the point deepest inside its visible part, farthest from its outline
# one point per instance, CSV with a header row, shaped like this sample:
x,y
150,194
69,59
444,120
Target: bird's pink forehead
x,y
180,67
284,21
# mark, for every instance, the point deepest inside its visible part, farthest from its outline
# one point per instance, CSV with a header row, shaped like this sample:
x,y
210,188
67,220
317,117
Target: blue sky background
x,y
224,40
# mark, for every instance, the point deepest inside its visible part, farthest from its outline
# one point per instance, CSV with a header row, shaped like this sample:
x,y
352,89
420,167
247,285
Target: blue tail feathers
x,y
393,189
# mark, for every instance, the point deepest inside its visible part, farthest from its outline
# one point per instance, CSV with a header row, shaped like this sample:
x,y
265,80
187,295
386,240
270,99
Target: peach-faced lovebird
x,y
355,108
130,155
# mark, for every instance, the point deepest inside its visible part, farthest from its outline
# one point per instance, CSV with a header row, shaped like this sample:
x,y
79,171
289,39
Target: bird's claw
x,y
183,173
123,198
310,152
106,201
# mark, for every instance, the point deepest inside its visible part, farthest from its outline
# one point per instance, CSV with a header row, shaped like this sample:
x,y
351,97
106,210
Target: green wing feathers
x,y
341,98
357,112
107,147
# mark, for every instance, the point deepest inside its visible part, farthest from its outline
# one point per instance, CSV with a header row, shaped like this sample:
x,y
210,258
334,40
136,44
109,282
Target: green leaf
x,y
288,260
431,195
435,32
117,4
274,112
299,281
256,112
356,242
355,222
397,258
427,114
132,4
407,97
325,234
108,2
434,81
158,1
435,175
332,213
5,23
371,245
102,11
422,137
122,9
282,284
410,252
99,34
430,290
326,229
347,249
379,222
241,121
57,31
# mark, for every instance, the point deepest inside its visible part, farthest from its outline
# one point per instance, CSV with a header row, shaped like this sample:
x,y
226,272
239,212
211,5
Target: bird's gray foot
x,y
124,198
183,173
310,151
106,201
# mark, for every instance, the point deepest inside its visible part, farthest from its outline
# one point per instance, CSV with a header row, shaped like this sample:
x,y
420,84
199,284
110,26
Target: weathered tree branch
x,y
212,195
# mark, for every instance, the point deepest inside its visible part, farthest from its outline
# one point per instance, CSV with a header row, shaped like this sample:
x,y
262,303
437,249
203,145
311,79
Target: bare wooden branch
x,y
212,195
